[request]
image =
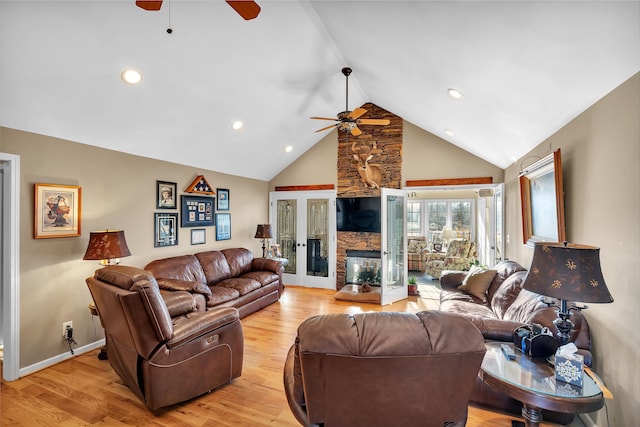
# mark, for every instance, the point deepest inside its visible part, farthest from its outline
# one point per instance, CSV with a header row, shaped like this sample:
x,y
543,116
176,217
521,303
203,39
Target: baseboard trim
x,y
59,358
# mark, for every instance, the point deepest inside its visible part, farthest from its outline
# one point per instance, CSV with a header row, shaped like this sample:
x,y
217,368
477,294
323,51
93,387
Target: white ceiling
x,y
526,68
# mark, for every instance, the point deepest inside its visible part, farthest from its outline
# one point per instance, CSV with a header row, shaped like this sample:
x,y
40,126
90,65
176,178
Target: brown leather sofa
x,y
505,307
226,278
164,350
383,369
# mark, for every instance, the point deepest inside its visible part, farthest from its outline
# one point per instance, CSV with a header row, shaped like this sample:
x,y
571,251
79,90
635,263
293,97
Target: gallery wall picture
x,y
165,230
222,199
166,195
57,211
197,211
223,226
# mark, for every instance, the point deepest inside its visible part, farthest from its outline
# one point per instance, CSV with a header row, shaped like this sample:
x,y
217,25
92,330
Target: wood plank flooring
x,y
85,391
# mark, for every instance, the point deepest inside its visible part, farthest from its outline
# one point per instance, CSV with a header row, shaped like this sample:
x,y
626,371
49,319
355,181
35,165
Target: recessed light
x,y
449,132
237,125
131,76
455,93
288,149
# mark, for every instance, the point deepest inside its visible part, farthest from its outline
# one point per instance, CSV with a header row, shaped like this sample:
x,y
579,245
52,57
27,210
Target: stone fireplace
x,y
388,140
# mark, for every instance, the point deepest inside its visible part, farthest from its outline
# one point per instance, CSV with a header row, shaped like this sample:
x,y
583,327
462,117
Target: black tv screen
x,y
358,214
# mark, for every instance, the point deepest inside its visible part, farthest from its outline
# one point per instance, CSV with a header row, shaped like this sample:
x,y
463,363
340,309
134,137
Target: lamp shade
x,y
105,245
263,231
567,272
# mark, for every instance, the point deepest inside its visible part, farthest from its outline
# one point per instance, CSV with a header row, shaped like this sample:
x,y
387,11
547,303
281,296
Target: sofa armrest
x,y
197,324
267,264
178,302
451,279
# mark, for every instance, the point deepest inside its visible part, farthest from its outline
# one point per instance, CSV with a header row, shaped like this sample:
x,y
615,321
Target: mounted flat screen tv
x,y
358,214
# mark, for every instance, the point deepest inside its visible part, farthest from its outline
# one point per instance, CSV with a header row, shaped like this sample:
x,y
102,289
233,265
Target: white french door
x,y
394,246
304,225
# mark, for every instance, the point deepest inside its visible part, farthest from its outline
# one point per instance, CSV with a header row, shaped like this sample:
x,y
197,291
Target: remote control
x,y
508,351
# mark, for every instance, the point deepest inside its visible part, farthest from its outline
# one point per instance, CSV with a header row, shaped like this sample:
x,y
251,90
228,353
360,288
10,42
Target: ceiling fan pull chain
x,y
169,29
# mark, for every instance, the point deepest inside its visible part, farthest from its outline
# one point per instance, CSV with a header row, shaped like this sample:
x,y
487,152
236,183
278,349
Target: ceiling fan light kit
x,y
348,121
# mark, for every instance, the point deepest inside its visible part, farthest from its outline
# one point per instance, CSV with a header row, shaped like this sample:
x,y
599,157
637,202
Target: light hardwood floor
x,y
85,391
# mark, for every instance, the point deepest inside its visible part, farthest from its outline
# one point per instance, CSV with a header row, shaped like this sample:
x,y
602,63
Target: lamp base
x,y
564,323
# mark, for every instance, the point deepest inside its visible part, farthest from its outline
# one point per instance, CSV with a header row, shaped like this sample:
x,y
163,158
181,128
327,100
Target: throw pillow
x,y
477,282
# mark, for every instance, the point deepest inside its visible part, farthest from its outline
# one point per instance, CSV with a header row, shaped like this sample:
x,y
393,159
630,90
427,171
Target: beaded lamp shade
x,y
567,271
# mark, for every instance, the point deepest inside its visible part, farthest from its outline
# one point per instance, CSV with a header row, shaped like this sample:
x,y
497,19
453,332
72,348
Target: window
x,y
414,223
457,214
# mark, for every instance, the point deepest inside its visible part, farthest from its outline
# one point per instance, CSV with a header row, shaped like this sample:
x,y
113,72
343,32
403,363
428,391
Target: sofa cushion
x,y
503,270
524,305
507,293
239,260
220,295
477,282
215,266
242,285
183,285
184,267
263,277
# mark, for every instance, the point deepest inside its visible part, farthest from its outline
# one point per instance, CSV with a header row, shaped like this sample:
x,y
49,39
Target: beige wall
x,y
601,162
424,156
118,192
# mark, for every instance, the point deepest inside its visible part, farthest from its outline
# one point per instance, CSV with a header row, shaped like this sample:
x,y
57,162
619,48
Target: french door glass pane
x,y
317,237
286,229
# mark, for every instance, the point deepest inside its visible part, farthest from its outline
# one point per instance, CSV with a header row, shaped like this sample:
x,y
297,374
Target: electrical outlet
x,y
66,325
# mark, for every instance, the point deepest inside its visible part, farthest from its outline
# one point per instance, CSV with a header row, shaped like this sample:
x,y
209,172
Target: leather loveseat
x,y
161,348
504,307
225,278
383,369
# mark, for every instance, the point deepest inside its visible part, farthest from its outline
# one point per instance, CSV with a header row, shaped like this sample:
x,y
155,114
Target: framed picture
x,y
223,226
542,198
276,251
166,195
57,211
165,229
197,211
223,199
198,236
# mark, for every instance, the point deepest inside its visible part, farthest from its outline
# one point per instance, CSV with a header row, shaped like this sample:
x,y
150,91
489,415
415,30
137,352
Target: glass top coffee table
x,y
532,381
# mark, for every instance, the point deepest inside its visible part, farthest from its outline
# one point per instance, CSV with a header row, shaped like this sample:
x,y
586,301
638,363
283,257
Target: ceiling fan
x,y
348,121
246,8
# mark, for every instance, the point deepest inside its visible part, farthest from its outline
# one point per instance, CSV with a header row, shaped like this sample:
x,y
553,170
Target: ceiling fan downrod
x,y
347,71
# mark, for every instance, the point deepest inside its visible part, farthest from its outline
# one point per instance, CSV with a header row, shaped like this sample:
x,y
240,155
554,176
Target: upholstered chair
x,y
165,355
383,369
460,255
416,250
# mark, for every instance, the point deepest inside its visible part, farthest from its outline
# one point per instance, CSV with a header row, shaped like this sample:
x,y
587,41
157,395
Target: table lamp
x,y
263,232
567,272
108,246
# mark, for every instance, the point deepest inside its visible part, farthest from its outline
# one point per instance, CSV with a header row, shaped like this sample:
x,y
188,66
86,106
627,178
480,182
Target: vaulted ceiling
x,y
525,69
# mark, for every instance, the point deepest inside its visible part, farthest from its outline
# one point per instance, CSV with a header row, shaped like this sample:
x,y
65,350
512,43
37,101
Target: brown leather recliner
x,y
164,355
383,369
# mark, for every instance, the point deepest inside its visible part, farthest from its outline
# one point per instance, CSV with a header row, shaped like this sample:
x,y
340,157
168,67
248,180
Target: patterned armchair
x,y
416,253
460,255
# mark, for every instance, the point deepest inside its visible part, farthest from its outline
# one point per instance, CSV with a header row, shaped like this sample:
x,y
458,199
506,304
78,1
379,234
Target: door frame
x,y
390,295
11,265
300,276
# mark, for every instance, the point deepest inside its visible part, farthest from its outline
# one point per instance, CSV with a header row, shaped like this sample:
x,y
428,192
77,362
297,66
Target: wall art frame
x,y
57,211
222,199
542,197
165,229
198,236
166,195
197,211
223,226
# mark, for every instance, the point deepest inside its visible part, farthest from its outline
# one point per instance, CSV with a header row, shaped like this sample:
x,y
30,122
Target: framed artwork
x,y
56,211
223,226
223,199
198,236
166,195
276,251
197,211
542,198
165,230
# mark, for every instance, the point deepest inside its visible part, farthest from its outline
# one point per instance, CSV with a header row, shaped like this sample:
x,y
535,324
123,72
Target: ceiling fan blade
x,y
381,122
323,118
149,5
355,131
328,127
357,113
246,8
